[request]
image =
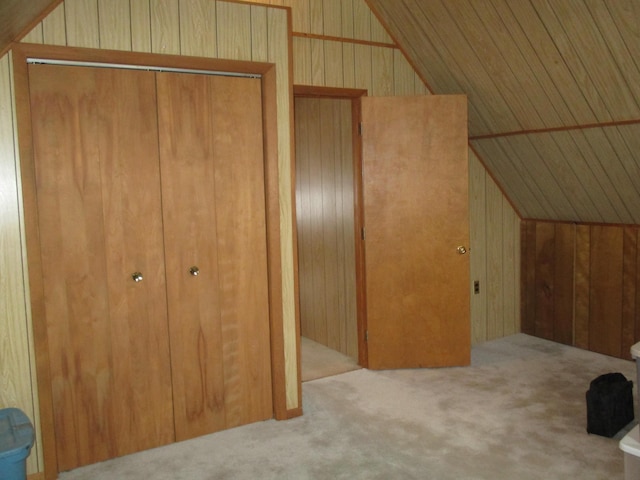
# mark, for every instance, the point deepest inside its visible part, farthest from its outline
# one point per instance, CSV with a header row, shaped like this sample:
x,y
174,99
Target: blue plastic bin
x,y
16,440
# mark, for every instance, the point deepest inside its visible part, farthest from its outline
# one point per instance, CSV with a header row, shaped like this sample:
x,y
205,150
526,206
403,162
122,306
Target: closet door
x,y
211,151
98,194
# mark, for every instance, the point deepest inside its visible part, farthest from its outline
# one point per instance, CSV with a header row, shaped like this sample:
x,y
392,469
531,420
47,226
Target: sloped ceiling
x,y
18,15
553,89
554,95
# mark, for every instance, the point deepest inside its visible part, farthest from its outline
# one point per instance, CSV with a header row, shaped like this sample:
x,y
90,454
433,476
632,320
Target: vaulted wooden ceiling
x,y
554,95
553,89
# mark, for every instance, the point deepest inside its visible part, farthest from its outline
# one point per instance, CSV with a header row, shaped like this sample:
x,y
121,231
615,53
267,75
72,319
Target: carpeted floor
x,y
517,413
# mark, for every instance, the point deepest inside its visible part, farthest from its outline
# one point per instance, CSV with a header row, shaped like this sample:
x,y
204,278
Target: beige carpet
x,y
517,413
319,361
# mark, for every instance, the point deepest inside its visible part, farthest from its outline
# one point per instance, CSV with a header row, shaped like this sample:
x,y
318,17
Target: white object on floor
x,y
635,354
630,445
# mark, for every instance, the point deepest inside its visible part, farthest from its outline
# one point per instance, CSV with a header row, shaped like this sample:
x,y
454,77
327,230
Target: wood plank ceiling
x,y
18,16
553,88
554,95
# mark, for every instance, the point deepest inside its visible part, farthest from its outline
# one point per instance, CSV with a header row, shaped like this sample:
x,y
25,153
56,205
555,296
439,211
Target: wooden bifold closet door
x,y
150,196
211,155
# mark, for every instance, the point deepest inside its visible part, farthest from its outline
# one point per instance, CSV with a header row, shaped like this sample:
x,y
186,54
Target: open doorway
x,y
327,166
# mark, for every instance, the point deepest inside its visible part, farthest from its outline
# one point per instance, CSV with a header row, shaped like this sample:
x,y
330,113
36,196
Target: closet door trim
x,y
266,71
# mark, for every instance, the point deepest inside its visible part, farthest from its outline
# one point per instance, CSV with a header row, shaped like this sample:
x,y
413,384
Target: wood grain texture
x,y
259,34
54,29
35,35
81,19
629,285
592,300
528,271
415,155
197,37
563,289
211,158
279,54
144,19
562,77
325,212
478,244
140,25
605,314
235,19
545,262
115,24
357,73
510,292
494,257
582,282
16,17
16,354
93,238
165,29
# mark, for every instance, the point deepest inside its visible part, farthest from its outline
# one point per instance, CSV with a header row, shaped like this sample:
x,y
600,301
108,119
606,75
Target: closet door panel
x,y
95,149
214,220
242,248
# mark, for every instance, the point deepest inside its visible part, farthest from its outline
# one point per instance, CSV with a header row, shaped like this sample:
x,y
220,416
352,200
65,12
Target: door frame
x,y
21,53
355,96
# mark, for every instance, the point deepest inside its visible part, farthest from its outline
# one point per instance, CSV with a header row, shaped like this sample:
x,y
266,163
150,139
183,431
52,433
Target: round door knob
x,y
137,277
194,271
461,250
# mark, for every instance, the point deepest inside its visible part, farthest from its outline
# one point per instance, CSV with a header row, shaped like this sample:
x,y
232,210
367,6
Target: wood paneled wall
x,y
495,258
581,285
326,222
336,43
214,29
347,47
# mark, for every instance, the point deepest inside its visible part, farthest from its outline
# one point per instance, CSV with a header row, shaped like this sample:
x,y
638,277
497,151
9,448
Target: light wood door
x,y
415,187
325,222
98,194
211,150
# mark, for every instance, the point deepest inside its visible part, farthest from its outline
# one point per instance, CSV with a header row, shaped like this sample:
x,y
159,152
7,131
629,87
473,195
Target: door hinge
x,y
360,128
363,234
366,335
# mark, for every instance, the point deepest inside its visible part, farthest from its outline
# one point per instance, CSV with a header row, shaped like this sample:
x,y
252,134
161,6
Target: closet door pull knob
x,y
137,277
194,271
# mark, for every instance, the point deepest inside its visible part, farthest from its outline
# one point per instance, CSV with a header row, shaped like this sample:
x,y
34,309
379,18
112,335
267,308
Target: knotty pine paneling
x,y
580,285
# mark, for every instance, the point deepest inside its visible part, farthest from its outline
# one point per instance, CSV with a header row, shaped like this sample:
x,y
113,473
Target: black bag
x,y
609,404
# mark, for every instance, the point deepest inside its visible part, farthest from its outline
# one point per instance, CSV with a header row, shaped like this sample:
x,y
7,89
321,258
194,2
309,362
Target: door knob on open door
x,y
194,271
461,250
